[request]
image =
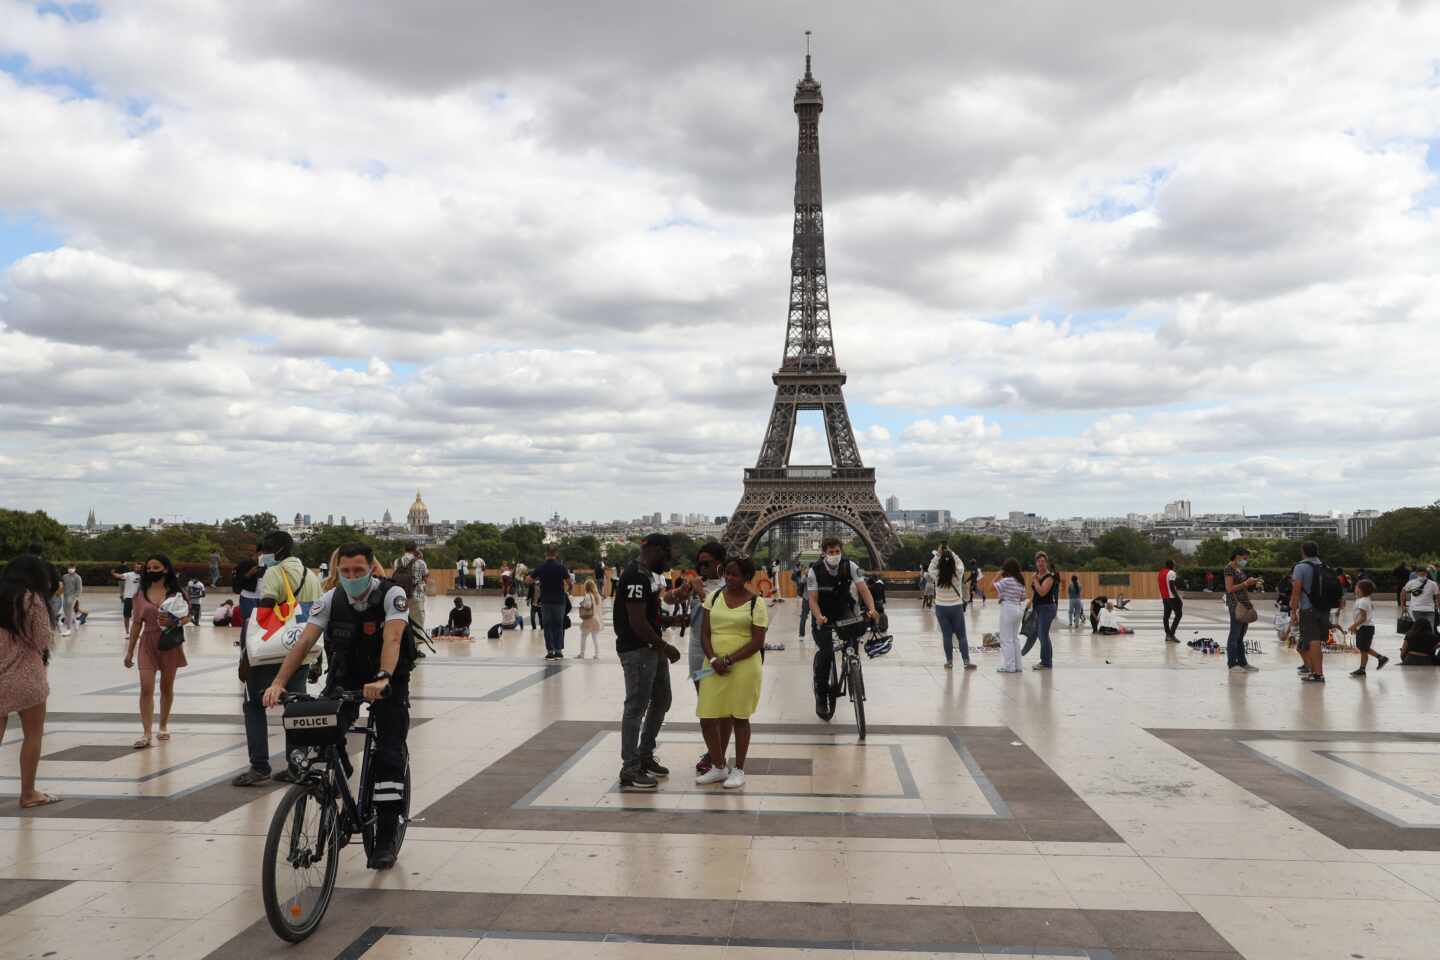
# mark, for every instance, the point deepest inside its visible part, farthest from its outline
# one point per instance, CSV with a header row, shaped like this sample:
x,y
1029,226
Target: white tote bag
x,y
272,632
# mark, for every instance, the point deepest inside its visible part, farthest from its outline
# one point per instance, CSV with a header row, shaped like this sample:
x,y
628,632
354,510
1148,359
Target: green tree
x,y
1131,548
1411,531
316,548
19,531
255,524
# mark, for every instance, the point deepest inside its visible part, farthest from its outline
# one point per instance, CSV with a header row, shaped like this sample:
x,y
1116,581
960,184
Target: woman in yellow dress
x,y
733,634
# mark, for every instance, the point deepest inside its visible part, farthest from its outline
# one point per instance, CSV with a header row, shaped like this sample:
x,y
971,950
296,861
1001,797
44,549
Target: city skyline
x,y
1081,262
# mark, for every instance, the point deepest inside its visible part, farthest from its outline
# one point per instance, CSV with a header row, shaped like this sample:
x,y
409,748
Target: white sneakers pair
x,y
732,778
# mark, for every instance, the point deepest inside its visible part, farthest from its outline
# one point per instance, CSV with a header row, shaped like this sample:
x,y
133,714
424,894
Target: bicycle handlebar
x,y
344,696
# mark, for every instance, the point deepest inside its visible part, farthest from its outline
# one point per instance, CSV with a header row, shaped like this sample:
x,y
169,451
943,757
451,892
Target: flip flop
x,y
142,743
163,735
45,800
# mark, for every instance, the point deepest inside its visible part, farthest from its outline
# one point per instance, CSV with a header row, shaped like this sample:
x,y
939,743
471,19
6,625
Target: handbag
x,y
1245,612
1404,623
171,637
272,632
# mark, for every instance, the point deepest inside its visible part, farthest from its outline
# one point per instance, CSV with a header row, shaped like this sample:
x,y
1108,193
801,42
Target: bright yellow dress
x,y
737,693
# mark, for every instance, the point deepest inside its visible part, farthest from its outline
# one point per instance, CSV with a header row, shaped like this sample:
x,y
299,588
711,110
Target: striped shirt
x,y
1010,590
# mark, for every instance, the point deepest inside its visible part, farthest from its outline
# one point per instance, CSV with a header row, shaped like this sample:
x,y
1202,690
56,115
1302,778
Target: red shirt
x,y
1166,593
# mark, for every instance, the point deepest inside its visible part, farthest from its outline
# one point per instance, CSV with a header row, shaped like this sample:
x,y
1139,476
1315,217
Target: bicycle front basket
x,y
313,723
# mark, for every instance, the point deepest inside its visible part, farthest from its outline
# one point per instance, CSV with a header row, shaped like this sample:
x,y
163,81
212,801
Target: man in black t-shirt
x,y
646,659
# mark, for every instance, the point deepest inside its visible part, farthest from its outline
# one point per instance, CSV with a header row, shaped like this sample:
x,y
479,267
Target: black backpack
x,y
404,575
1326,593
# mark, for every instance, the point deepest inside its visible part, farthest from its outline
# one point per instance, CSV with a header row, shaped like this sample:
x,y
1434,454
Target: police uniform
x,y
354,636
835,595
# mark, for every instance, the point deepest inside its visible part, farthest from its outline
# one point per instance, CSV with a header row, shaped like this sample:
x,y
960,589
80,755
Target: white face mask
x,y
833,560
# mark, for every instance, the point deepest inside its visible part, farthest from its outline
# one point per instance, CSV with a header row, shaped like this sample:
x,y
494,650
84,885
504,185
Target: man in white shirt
x,y
129,586
1419,596
478,568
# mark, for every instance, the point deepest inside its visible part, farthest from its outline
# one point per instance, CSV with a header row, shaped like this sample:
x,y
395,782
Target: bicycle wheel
x,y
297,874
857,695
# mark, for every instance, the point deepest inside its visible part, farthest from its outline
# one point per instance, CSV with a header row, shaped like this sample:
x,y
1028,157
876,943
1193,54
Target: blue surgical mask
x,y
355,589
267,559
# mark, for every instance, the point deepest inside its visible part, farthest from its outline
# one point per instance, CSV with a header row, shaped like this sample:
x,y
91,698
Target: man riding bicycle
x,y
364,621
832,585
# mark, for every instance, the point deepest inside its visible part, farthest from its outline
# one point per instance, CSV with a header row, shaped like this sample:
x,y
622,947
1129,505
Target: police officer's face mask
x,y
832,560
355,587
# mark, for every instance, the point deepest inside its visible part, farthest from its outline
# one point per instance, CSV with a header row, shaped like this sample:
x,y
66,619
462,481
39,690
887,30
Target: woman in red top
x,y
24,651
148,621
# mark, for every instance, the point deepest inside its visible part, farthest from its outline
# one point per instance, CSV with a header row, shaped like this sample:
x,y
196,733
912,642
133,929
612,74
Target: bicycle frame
x,y
357,816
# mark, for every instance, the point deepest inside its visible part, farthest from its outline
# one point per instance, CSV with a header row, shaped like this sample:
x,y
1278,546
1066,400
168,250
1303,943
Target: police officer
x,y
364,620
831,587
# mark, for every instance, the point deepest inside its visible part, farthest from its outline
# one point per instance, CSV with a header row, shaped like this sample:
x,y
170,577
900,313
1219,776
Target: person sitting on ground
x,y
510,617
224,613
460,619
1419,646
1109,622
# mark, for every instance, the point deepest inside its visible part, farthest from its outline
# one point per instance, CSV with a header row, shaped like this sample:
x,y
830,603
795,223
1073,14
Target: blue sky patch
x,y
70,12
18,65
22,235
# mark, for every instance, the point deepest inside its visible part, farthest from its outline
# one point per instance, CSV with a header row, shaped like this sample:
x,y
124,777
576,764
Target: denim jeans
x,y
1077,612
257,733
804,613
1235,643
951,617
647,698
552,620
1044,616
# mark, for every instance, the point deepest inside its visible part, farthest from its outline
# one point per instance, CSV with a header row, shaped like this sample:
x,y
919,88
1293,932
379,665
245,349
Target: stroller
x,y
880,641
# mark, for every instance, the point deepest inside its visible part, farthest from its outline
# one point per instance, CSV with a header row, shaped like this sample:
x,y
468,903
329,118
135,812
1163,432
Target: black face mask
x,y
148,577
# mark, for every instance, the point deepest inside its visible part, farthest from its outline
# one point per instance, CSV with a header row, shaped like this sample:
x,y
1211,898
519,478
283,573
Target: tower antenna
x,y
807,53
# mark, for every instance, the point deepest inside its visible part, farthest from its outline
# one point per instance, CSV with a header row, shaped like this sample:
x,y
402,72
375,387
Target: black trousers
x,y
391,720
1176,606
824,657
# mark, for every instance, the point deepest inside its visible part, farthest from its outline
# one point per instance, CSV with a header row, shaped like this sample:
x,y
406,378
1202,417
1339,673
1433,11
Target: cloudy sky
x,y
1084,258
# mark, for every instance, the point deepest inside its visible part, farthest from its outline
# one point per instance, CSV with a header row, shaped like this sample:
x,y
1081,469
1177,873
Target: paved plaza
x,y
1139,801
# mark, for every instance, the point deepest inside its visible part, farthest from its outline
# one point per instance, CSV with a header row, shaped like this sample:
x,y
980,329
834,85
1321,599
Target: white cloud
x,y
1146,252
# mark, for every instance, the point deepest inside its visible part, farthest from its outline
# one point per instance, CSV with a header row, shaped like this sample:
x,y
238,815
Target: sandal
x,y
141,744
45,800
163,735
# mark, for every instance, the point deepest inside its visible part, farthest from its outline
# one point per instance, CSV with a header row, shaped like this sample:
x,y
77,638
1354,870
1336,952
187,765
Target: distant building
x,y
1177,510
418,519
892,503
930,519
1358,526
90,520
386,518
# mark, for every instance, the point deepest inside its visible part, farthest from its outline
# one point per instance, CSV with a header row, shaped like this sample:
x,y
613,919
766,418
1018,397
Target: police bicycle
x,y
319,816
846,675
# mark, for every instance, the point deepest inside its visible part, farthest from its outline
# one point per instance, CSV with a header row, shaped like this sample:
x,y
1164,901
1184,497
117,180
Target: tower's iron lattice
x,y
808,379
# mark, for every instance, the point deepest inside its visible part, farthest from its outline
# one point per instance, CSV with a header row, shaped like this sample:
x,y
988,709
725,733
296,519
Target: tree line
x,y
1407,535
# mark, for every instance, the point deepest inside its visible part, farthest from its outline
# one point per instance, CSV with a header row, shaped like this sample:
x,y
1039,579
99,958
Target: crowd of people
x,y
352,598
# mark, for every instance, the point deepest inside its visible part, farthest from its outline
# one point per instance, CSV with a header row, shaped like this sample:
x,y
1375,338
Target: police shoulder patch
x,y
402,604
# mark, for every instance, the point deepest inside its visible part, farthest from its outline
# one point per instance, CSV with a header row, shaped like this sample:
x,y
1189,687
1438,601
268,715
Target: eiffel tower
x,y
808,379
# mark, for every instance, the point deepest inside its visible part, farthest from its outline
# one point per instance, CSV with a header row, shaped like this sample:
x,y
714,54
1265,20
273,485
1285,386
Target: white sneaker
x,y
713,775
64,633
735,780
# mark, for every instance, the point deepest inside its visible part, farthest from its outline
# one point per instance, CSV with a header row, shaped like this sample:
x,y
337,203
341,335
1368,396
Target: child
x,y
510,618
589,608
223,614
532,598
1364,627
